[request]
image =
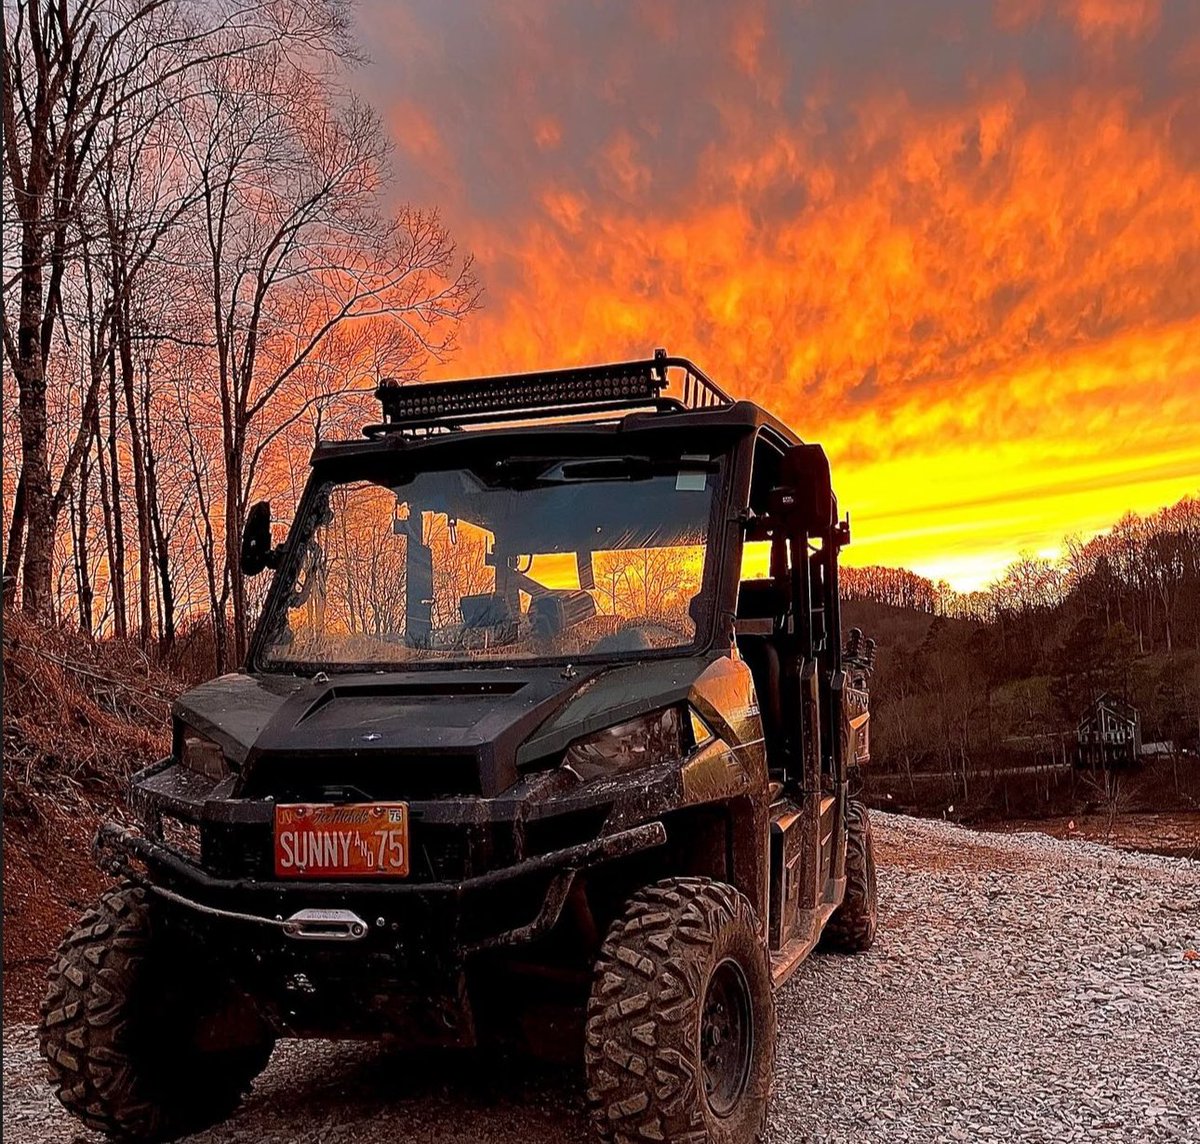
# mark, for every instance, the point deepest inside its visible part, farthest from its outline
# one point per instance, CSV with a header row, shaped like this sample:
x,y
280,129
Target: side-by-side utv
x,y
548,726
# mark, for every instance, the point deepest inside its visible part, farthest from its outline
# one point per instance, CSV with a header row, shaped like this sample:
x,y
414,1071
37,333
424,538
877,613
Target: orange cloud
x,y
981,292
547,133
1100,22
1108,20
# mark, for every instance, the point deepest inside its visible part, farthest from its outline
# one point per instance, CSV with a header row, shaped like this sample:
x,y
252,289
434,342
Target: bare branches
x,y
193,190
299,253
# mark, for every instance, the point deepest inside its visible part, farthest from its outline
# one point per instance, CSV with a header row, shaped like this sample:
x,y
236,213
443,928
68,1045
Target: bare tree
x,y
296,252
81,81
66,70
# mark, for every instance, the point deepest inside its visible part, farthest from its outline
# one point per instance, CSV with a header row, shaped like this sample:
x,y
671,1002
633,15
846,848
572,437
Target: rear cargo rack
x,y
561,393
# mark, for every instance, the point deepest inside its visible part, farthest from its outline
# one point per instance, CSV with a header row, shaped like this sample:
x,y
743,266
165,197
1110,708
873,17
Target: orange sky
x,y
957,243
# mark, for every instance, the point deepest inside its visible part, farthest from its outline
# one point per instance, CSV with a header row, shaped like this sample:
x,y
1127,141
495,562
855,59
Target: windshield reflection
x,y
556,560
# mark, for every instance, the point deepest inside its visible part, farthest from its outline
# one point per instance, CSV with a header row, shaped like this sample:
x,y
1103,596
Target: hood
x,y
416,734
451,732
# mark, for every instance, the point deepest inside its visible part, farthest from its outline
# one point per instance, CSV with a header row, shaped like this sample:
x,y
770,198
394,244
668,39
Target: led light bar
x,y
429,404
589,389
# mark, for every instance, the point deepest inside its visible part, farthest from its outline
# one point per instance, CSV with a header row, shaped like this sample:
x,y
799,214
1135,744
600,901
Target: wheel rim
x,y
726,1037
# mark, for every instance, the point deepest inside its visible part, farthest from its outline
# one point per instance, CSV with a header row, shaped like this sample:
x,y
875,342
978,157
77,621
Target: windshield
x,y
542,559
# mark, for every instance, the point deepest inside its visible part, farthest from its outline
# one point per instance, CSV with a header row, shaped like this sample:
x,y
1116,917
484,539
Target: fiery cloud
x,y
959,245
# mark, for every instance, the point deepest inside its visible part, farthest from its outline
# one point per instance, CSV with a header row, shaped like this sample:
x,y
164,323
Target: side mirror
x,y
257,552
804,502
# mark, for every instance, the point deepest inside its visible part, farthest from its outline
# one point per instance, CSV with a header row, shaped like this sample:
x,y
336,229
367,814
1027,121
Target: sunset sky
x,y
956,242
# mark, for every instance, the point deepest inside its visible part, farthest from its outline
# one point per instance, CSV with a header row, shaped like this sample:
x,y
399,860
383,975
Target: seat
x,y
758,609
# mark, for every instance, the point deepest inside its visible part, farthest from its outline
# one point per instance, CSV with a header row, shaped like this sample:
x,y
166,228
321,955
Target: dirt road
x,y
1022,988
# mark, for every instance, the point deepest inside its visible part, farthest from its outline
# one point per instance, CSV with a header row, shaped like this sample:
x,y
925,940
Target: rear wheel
x,y
680,1040
852,927
143,1041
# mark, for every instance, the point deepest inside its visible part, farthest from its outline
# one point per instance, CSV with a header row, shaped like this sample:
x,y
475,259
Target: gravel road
x,y
1021,989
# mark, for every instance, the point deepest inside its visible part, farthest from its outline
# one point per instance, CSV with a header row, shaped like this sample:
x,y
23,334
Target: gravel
x,y
1021,988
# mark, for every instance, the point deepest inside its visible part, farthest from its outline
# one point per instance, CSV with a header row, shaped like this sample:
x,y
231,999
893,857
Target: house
x,y
1109,735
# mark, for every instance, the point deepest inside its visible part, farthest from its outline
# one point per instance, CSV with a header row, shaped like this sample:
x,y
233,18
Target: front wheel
x,y
143,1041
680,1040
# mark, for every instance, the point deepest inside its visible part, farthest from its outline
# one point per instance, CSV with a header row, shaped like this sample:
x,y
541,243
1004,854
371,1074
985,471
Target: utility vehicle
x,y
547,733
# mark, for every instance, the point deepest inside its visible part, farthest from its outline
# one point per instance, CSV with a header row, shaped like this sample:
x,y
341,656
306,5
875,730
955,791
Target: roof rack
x,y
595,389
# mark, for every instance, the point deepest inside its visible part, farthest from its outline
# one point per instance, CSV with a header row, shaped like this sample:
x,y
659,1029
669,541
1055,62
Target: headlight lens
x,y
202,755
628,746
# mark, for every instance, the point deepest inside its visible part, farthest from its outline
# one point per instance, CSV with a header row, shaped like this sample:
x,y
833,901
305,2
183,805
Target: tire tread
x,y
852,927
642,1084
84,1030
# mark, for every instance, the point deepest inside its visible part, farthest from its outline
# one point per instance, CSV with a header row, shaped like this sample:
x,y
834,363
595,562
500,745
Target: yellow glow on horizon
x,y
997,342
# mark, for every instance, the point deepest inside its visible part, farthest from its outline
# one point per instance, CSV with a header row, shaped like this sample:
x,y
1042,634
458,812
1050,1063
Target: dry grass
x,y
79,717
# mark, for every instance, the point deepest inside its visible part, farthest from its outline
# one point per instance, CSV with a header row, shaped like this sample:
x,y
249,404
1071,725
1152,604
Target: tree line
x,y
1142,574
968,683
199,261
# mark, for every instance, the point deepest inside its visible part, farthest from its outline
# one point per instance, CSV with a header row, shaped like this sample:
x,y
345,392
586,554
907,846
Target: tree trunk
x,y
161,546
137,459
16,546
83,574
37,575
221,633
105,501
38,570
117,564
233,549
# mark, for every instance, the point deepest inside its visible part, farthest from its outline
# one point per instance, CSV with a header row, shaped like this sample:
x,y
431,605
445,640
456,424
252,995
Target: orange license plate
x,y
316,840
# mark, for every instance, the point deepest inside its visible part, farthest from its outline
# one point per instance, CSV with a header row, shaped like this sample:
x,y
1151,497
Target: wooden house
x,y
1109,735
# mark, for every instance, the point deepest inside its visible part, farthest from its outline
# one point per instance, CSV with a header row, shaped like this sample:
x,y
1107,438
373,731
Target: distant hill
x,y
891,626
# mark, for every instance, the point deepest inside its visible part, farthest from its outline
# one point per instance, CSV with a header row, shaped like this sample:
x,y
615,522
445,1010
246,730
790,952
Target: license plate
x,y
316,840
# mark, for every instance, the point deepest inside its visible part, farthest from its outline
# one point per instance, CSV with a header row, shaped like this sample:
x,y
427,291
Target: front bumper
x,y
507,906
361,958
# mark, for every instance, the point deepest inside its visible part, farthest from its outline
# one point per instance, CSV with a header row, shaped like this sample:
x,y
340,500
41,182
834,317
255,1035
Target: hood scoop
x,y
411,689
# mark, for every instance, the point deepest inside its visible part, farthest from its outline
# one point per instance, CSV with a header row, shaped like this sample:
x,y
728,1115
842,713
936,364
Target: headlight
x,y
202,755
640,742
